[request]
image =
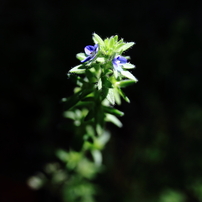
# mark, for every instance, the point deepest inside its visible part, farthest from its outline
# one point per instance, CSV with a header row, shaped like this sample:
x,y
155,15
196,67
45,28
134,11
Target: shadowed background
x,y
156,156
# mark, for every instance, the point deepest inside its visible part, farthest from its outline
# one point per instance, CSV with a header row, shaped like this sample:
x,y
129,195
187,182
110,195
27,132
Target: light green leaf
x,y
62,155
97,156
80,56
128,75
114,120
116,38
106,42
100,59
99,84
128,66
126,46
110,96
69,114
79,69
111,42
117,96
97,39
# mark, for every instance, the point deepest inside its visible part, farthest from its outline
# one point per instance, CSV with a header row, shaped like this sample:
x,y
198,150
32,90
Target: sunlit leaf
x,y
80,56
79,69
128,66
97,39
128,75
126,46
110,96
114,120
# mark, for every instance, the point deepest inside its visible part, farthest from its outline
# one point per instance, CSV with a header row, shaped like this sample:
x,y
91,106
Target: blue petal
x,y
118,61
87,59
89,49
96,47
121,59
91,52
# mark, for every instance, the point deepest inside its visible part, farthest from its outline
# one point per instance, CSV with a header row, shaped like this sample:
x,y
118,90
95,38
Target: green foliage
x,y
98,89
98,82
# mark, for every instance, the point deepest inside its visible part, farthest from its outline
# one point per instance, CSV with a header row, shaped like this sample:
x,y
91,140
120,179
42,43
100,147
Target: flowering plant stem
x,y
99,80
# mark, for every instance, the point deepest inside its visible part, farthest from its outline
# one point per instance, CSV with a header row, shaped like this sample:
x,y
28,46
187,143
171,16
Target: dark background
x,y
157,154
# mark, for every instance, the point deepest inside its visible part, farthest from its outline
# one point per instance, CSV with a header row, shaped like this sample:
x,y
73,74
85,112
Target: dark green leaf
x,y
123,95
113,111
125,83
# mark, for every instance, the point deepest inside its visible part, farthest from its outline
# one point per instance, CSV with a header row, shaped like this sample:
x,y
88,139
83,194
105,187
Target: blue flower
x,y
118,61
91,52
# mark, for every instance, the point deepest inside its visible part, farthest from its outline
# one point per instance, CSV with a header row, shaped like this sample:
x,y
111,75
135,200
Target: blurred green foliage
x,y
156,156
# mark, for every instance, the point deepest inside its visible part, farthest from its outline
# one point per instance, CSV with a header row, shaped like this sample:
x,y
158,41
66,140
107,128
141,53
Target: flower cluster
x,y
91,52
105,67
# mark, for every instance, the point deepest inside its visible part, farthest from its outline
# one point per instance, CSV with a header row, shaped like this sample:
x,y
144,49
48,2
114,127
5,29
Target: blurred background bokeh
x,y
157,155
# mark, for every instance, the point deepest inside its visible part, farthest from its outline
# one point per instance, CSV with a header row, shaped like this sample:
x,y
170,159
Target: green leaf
x,y
99,84
113,119
79,69
104,92
126,46
62,155
106,41
111,42
118,47
125,83
117,96
128,66
80,56
123,95
110,96
71,101
69,114
86,104
113,111
74,99
97,39
100,59
116,38
90,115
97,156
128,75
91,76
